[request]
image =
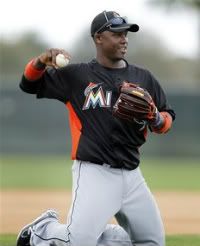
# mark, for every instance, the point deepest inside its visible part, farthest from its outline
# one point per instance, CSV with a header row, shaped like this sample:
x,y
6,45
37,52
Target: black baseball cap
x,y
111,21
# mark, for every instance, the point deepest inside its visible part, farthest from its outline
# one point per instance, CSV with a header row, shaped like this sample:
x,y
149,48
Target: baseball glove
x,y
134,103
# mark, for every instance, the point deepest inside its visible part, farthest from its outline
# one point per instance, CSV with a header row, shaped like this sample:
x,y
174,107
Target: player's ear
x,y
98,38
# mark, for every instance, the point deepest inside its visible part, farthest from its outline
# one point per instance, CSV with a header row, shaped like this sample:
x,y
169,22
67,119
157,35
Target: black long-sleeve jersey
x,y
89,91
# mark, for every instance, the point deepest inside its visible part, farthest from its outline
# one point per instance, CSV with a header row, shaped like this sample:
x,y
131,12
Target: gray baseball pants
x,y
99,193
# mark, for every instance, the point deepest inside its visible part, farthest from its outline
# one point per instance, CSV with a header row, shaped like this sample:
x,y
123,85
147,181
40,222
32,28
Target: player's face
x,y
114,45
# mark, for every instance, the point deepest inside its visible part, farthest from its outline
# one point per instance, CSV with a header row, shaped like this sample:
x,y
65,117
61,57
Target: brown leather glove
x,y
135,103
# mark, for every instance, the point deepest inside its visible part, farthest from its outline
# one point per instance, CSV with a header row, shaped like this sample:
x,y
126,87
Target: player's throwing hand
x,y
48,58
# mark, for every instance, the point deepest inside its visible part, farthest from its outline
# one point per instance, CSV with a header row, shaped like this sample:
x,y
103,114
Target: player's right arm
x,y
37,66
48,58
38,77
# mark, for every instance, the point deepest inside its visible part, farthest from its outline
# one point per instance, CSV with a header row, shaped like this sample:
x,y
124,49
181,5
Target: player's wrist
x,y
38,64
166,124
33,72
158,121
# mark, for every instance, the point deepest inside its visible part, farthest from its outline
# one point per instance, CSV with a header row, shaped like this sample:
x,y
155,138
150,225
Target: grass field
x,y
55,172
180,240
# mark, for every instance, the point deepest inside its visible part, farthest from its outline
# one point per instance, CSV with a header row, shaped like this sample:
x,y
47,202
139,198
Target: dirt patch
x,y
180,210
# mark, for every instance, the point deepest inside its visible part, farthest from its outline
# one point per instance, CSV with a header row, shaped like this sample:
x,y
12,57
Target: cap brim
x,y
128,27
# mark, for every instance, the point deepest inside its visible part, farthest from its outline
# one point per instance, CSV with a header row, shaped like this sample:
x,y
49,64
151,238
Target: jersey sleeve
x,y
54,84
159,97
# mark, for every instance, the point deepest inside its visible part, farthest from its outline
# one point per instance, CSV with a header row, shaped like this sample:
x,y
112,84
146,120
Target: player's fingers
x,y
49,57
66,54
54,53
45,57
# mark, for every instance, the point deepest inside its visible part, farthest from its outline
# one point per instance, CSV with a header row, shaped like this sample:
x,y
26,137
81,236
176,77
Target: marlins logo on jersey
x,y
95,96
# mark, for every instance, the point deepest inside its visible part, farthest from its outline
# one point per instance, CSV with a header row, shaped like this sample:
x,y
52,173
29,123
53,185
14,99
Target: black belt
x,y
115,167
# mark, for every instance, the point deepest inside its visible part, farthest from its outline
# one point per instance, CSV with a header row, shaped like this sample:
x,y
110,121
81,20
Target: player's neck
x,y
104,61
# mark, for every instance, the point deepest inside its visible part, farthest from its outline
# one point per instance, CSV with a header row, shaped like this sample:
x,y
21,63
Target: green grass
x,y
35,172
186,240
55,172
172,174
180,240
7,240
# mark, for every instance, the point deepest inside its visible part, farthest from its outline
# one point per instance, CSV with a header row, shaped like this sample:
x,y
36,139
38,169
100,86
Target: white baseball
x,y
61,60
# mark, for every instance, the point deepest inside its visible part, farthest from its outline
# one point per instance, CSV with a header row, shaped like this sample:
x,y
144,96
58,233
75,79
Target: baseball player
x,y
112,105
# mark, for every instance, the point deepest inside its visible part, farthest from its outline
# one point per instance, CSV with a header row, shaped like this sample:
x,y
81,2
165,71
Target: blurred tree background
x,y
146,49
174,5
28,125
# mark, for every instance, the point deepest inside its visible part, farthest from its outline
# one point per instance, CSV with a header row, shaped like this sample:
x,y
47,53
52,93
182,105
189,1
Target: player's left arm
x,y
165,123
165,114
